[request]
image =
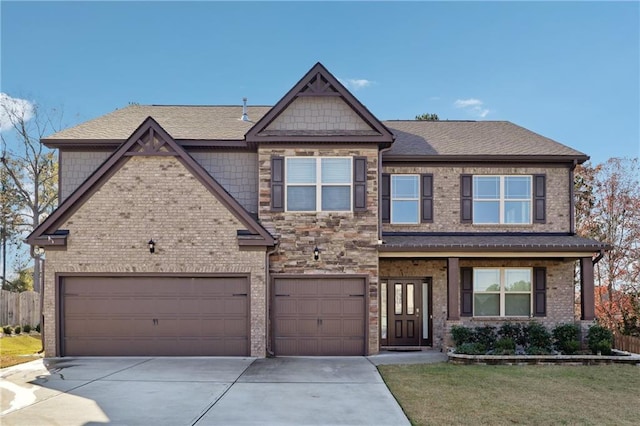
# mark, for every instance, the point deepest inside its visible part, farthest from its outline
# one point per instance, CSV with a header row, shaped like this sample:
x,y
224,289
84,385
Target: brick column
x,y
453,282
587,294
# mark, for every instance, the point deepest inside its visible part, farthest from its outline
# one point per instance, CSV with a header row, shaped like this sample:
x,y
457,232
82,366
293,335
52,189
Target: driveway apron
x,y
197,391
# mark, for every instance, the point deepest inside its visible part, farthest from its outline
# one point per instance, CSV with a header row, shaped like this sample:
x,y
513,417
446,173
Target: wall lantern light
x,y
152,246
38,251
316,253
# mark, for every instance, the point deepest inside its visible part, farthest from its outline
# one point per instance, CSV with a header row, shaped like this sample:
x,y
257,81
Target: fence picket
x,y
19,308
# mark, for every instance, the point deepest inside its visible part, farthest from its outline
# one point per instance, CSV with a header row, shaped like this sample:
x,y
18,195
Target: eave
x,y
568,159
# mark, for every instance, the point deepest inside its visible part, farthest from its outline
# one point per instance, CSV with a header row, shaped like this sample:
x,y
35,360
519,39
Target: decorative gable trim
x,y
320,82
148,139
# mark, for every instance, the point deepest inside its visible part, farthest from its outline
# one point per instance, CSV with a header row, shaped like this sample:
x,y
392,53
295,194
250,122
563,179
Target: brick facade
x,y
155,197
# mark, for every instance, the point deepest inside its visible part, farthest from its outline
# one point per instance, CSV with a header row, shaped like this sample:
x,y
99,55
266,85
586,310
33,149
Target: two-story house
x,y
306,228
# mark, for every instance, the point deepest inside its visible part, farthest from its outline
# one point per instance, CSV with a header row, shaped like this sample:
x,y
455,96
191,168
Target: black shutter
x,y
359,184
539,292
277,184
466,292
539,199
466,198
386,198
427,198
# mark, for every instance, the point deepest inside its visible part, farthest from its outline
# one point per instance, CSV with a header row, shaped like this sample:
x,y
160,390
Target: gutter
x,y
598,257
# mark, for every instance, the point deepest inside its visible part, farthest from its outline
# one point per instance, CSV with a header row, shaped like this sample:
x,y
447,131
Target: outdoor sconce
x,y
38,251
316,253
152,246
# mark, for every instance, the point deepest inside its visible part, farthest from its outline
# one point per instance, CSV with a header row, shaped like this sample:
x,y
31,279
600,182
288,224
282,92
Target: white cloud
x,y
11,108
356,83
473,107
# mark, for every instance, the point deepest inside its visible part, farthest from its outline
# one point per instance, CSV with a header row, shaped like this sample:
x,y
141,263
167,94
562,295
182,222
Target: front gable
x,y
149,140
319,109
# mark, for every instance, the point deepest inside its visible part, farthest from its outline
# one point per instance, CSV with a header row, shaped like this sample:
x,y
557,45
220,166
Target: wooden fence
x,y
19,308
627,343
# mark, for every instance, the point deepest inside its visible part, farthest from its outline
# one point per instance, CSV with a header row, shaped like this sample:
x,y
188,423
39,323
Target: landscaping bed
x,y
617,357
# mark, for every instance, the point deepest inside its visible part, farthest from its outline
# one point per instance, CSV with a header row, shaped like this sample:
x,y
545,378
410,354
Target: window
x,y
501,199
318,184
502,292
405,198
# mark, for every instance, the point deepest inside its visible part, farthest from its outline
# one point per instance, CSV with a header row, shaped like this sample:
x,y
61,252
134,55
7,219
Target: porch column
x,y
453,282
587,293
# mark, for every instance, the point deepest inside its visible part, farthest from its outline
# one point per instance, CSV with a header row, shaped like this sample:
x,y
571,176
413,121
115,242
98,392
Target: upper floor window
x,y
501,199
502,292
318,183
405,198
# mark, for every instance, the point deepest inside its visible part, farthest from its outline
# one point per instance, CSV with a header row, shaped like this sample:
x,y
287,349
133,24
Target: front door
x,y
407,320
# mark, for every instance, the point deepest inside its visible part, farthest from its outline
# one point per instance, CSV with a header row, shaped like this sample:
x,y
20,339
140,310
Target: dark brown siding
x,y
143,316
319,316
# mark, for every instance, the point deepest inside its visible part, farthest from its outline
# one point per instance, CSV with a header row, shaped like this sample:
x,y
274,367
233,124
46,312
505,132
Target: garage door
x,y
319,316
154,316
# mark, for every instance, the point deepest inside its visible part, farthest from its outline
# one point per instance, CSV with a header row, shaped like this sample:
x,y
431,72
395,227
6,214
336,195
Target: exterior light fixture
x,y
152,246
316,253
38,251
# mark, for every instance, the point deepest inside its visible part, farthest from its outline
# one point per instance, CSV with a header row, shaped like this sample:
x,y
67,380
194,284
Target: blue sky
x,y
569,71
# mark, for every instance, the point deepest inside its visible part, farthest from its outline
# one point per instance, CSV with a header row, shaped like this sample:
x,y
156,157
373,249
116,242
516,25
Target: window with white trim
x,y
318,183
502,292
501,199
405,199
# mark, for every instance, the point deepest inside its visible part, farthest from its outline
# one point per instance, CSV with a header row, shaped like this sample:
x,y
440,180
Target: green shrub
x,y
6,330
38,328
537,336
471,349
513,331
600,339
461,335
505,346
27,328
566,338
486,336
17,329
537,350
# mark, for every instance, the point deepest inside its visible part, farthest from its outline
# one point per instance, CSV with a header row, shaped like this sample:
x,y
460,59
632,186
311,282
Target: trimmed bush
x,y
17,329
537,336
27,328
485,336
6,330
566,338
38,328
600,339
513,331
471,349
461,335
537,350
505,346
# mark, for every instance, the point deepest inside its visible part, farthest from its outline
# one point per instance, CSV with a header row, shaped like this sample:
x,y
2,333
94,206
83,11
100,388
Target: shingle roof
x,y
414,139
491,242
470,138
181,122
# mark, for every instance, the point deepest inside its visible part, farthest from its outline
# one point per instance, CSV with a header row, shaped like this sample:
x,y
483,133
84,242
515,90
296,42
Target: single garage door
x,y
319,316
173,316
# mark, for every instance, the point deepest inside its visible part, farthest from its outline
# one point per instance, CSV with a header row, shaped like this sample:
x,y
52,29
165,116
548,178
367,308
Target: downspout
x,y
268,299
572,208
598,257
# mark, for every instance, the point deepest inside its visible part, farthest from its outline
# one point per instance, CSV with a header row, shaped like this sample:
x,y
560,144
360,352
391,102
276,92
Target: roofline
x,y
114,143
481,248
487,158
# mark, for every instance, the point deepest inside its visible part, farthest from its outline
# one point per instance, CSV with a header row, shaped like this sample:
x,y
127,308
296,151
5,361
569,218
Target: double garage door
x,y
173,316
319,316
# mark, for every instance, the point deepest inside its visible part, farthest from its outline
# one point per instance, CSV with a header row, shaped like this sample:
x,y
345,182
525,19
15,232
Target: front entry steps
x,y
406,348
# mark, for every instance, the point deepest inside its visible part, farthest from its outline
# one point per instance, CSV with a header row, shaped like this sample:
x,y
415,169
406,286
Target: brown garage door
x,y
119,316
319,316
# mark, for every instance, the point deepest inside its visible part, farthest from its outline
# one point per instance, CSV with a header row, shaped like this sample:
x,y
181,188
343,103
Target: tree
x,y
23,282
31,169
10,219
608,210
427,117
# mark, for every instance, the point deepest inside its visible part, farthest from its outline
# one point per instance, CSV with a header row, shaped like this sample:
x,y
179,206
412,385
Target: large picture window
x,y
318,184
405,199
502,292
501,199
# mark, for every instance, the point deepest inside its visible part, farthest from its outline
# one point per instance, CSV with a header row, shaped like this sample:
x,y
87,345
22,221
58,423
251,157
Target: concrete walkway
x,y
203,391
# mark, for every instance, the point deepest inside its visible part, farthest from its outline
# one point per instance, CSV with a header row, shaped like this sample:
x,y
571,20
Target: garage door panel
x,y
319,316
155,316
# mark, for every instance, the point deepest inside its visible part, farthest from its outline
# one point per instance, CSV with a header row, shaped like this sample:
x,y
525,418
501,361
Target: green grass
x,y
18,349
436,394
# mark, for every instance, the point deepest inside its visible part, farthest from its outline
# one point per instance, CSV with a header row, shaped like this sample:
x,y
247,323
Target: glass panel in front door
x,y
405,324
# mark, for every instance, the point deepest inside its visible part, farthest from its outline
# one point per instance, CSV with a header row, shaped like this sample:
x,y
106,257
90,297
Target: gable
x,y
149,140
319,109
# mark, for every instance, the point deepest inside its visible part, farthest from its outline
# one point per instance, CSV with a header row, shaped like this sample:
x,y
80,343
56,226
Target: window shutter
x,y
427,198
466,198
277,184
360,184
466,292
386,198
539,292
539,199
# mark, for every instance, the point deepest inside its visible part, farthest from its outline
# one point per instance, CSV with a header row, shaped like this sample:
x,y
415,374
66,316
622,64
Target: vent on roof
x,y
245,117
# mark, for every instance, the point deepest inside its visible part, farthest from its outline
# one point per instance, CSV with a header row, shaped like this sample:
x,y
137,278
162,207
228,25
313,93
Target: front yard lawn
x,y
435,394
18,349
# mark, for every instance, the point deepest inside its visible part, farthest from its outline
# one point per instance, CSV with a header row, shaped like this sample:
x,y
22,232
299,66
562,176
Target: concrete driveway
x,y
197,391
